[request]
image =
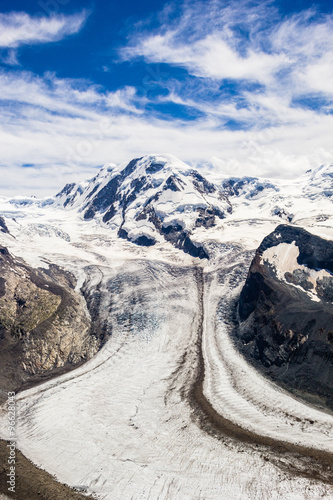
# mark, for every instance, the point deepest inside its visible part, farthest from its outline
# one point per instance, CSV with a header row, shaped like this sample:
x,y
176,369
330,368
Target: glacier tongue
x,y
125,426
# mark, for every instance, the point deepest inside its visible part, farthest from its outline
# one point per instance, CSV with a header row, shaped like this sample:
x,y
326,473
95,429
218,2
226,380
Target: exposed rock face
x,y
44,325
249,187
286,312
3,226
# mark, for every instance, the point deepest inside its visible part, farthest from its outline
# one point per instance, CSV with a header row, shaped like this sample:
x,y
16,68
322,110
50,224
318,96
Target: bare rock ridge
x,y
151,200
44,327
286,312
3,226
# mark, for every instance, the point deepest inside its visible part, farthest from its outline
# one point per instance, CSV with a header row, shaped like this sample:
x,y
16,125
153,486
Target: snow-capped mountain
x,y
160,202
304,200
159,198
152,199
319,182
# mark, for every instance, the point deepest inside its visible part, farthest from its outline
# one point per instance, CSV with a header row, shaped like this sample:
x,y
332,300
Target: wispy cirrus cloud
x,y
54,131
244,42
19,28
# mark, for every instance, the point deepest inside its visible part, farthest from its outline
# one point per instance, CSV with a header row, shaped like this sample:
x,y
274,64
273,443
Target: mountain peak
x,y
151,199
158,197
152,164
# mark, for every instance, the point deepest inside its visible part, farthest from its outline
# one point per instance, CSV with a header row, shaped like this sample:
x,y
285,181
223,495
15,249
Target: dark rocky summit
x,y
285,315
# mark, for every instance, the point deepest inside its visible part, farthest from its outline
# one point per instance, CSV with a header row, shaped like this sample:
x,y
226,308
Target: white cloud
x,y
241,41
318,76
18,28
63,96
210,57
64,135
66,127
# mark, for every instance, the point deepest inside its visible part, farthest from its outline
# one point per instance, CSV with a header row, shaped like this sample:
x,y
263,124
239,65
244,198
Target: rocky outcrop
x,y
249,187
44,324
285,312
3,226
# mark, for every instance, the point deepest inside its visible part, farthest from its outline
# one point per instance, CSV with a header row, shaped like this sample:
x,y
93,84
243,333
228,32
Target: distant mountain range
x,y
159,198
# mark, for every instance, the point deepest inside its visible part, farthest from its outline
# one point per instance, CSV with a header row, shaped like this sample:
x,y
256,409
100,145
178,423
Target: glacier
x,y
169,409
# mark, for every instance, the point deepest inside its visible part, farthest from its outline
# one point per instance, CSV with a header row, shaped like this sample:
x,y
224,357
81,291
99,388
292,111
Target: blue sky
x,y
239,87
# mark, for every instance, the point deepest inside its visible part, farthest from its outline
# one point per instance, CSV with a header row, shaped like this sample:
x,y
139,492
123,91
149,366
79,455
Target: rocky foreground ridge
x,y
286,312
44,325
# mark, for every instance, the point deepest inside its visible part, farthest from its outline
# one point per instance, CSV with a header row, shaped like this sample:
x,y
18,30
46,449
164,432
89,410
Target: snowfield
x,y
168,409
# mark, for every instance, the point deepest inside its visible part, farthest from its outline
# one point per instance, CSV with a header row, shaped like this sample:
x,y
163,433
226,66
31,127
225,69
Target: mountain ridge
x,y
158,199
151,199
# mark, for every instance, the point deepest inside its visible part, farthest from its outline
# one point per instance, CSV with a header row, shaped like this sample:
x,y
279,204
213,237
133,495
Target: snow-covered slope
x,y
319,182
305,200
160,201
